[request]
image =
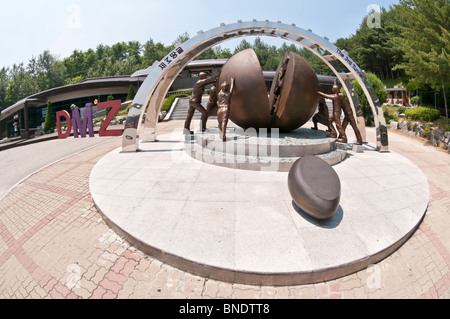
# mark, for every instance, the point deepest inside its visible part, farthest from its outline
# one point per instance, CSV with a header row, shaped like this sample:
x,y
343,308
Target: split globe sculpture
x,y
292,102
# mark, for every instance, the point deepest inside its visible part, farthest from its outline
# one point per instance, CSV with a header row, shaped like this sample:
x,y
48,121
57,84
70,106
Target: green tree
x,y
222,53
425,42
131,93
379,88
4,81
243,45
50,122
375,49
47,71
108,109
207,54
21,84
153,52
181,38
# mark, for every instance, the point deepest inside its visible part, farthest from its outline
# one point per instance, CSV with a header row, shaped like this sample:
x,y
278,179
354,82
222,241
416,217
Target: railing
x,y
187,91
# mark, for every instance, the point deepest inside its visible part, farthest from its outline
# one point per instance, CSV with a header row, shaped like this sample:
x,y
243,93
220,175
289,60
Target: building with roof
x,y
28,115
397,95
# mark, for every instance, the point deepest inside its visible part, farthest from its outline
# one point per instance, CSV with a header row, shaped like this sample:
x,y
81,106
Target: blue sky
x,y
29,27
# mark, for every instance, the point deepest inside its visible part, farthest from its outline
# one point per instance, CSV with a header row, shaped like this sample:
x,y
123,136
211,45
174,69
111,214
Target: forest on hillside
x,y
410,47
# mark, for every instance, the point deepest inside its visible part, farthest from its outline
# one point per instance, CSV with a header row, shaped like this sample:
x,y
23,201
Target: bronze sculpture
x,y
279,86
315,187
337,111
211,107
294,100
297,101
195,102
349,118
223,112
249,104
323,117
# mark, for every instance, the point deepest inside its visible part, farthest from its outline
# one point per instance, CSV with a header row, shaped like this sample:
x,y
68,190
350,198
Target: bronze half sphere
x,y
315,187
291,102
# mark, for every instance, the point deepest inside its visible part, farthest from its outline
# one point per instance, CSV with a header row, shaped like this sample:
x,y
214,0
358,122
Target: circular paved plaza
x,y
241,226
54,243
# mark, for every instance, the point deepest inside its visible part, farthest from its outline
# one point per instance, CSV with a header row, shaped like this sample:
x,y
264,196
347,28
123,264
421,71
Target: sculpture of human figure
x,y
212,103
323,117
223,112
195,101
279,86
337,111
349,118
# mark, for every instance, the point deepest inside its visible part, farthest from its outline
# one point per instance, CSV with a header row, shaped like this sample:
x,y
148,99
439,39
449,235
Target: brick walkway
x,y
54,244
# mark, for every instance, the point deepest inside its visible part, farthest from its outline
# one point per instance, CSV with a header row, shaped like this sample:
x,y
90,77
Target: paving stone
x,y
44,229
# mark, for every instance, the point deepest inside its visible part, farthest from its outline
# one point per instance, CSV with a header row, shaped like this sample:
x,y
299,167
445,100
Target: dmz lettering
x,y
81,126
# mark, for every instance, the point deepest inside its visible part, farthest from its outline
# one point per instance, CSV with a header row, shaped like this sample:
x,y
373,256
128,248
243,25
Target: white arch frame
x,y
164,73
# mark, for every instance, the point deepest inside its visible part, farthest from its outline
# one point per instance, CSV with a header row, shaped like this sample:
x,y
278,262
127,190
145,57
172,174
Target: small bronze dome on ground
x,y
315,187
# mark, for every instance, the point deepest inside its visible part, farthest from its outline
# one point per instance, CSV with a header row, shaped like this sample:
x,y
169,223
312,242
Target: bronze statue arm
x,y
331,97
211,80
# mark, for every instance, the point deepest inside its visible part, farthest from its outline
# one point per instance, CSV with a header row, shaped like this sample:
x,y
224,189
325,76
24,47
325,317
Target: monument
x,y
260,116
291,102
341,103
223,112
285,246
195,101
293,99
323,117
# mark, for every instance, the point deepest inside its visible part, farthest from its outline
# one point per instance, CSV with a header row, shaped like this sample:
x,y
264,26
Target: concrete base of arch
x,y
242,226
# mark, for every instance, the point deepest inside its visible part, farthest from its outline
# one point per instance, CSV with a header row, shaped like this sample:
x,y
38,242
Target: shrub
x,y
169,101
415,100
50,121
423,114
426,132
379,89
108,109
389,111
131,93
401,110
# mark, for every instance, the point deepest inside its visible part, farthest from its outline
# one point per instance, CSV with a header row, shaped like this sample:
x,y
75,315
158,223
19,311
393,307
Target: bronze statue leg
x,y
315,121
187,123
332,128
223,122
342,137
224,129
191,111
357,132
202,110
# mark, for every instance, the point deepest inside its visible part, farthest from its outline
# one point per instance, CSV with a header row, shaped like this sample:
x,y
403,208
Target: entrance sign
x,y
115,106
81,126
164,73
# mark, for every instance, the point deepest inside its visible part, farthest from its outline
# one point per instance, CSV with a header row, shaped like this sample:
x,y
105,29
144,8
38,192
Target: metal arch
x,y
162,76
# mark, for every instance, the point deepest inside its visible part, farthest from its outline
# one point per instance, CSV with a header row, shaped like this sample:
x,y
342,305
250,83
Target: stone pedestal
x,y
358,148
